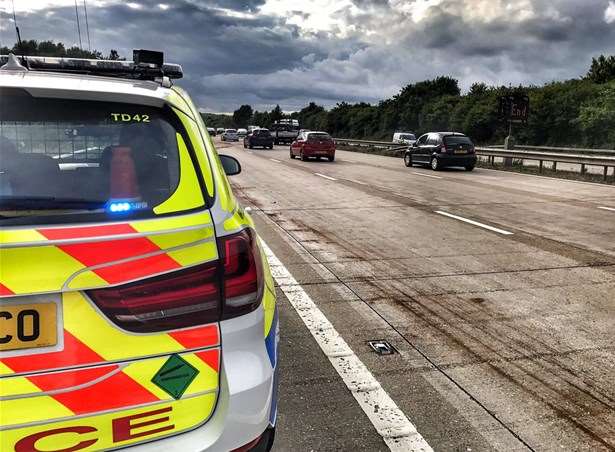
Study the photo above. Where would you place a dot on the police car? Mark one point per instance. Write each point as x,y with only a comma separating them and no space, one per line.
137,309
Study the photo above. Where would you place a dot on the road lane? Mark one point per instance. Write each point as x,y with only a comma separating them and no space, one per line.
505,341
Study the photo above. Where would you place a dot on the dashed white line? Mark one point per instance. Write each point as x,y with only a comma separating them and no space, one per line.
275,160
607,208
250,152
358,182
426,175
390,422
475,223
326,177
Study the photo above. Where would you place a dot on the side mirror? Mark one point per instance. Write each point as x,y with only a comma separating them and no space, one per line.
230,164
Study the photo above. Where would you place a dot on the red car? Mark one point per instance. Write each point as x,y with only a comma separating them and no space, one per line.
313,144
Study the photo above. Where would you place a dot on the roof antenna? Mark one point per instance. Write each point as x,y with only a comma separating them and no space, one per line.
87,25
78,25
16,27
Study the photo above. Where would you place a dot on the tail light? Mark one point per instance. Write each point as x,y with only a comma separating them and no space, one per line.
227,288
242,274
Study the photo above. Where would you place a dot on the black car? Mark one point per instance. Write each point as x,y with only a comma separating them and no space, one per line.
442,149
258,138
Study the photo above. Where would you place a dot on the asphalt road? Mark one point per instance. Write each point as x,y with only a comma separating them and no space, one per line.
504,327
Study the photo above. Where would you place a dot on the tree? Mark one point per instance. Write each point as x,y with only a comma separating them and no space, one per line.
243,116
602,69
598,116
276,114
51,49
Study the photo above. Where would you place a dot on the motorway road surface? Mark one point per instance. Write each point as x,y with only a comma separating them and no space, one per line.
504,326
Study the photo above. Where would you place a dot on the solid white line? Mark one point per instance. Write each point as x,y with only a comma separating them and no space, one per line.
607,208
475,223
326,177
275,160
390,422
426,175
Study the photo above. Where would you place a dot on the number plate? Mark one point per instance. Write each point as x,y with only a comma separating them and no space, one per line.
461,151
28,326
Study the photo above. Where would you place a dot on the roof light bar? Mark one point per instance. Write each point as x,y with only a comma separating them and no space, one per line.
148,66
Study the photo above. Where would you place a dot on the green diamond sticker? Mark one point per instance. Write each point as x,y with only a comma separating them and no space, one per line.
175,376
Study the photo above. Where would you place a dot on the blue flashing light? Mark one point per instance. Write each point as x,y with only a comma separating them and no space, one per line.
125,206
120,207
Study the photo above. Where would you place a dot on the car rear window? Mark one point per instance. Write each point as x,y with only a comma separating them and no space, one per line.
407,136
318,137
454,140
231,131
62,157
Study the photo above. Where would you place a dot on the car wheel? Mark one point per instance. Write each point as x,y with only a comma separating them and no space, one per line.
470,168
408,160
303,157
292,156
250,146
435,164
331,158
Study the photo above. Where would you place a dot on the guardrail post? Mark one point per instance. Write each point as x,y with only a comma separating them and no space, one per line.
606,172
554,166
583,168
540,166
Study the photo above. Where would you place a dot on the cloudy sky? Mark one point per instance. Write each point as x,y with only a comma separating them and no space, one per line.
291,52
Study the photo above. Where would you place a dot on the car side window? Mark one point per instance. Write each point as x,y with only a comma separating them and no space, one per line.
422,140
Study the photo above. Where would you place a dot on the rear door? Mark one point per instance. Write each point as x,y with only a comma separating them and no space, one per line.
109,297
320,142
458,145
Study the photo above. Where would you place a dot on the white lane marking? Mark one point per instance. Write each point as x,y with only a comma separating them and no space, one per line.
275,160
250,152
326,177
426,175
390,422
475,223
607,208
357,182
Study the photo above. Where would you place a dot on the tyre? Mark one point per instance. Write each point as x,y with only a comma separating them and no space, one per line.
332,158
250,146
408,160
303,157
435,164
470,168
292,156
244,145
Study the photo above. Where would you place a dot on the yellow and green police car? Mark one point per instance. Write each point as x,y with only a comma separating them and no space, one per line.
137,309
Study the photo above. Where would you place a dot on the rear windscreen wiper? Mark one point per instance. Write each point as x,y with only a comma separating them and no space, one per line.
49,203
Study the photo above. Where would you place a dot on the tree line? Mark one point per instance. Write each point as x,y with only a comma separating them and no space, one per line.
577,112
33,47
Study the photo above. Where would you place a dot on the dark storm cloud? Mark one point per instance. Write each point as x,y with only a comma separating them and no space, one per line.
234,54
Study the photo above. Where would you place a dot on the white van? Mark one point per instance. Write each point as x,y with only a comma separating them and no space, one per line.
404,137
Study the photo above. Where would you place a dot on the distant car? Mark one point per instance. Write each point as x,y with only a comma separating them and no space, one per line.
241,133
313,144
404,138
442,149
259,138
252,128
230,135
211,131
219,130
